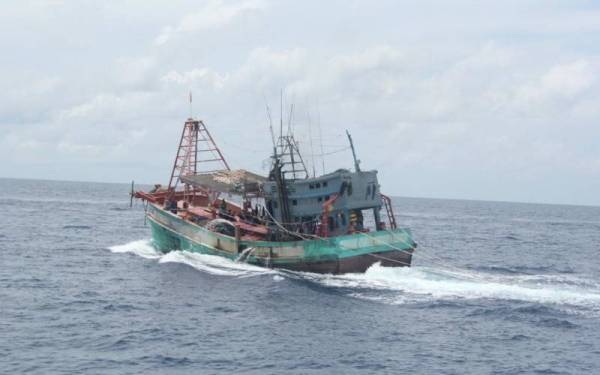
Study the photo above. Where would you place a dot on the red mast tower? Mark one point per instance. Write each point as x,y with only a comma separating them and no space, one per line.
197,154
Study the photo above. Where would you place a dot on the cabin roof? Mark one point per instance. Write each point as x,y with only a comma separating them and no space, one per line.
236,181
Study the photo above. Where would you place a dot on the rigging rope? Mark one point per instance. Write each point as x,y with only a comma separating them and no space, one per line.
331,152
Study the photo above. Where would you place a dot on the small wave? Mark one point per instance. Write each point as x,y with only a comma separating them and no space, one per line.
557,323
524,270
141,248
166,360
120,208
76,227
120,307
223,309
65,201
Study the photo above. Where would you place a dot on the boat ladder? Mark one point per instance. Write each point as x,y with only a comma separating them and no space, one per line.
387,202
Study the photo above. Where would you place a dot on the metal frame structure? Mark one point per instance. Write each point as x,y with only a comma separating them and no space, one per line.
290,158
196,147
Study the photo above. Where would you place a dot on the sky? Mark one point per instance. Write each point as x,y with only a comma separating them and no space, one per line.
491,100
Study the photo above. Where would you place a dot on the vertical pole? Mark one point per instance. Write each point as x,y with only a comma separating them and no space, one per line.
177,157
356,161
321,137
312,150
377,219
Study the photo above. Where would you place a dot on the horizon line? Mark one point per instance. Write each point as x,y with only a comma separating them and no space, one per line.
393,195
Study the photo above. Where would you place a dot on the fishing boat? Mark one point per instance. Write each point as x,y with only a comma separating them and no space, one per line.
337,222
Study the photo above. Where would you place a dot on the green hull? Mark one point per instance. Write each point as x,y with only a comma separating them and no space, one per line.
342,254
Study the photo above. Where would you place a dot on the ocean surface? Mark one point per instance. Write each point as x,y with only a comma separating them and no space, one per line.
496,288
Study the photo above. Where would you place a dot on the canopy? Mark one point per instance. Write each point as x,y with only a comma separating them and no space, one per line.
238,181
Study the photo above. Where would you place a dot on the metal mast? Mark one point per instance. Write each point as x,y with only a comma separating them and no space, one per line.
356,161
197,149
288,154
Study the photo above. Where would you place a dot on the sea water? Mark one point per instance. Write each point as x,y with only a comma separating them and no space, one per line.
495,288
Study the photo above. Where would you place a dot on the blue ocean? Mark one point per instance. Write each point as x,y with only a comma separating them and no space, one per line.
495,288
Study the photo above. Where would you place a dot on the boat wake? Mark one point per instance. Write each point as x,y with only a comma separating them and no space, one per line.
405,285
422,284
214,265
141,248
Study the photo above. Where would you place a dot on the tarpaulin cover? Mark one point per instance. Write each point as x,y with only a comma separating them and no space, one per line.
237,181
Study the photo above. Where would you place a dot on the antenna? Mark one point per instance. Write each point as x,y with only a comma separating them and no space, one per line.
312,150
271,129
356,161
320,136
281,113
190,104
290,119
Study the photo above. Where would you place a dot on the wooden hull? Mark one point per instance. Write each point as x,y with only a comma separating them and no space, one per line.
353,253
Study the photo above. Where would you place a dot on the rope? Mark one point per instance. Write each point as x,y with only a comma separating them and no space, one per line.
331,152
290,232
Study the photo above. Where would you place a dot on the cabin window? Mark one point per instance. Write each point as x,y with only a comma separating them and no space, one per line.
318,185
368,192
343,219
294,202
311,186
373,192
319,199
324,183
326,198
349,189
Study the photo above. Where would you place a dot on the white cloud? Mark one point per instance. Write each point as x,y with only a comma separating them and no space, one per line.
195,77
215,14
560,81
423,103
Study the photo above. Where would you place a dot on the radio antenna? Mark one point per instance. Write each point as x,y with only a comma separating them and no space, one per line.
281,113
320,137
312,150
271,128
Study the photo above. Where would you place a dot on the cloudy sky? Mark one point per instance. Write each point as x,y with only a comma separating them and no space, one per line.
495,100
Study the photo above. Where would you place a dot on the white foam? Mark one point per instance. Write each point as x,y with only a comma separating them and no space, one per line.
142,248
418,283
213,264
